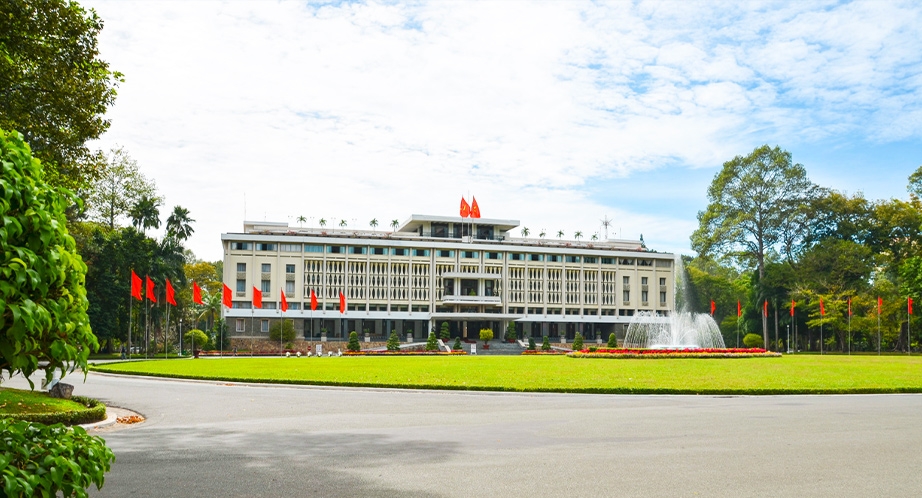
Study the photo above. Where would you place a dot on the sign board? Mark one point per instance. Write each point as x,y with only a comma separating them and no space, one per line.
473,349
319,349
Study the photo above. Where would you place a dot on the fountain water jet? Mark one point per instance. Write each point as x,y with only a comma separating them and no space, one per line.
681,330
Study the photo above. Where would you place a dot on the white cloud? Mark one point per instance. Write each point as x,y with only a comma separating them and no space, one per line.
355,110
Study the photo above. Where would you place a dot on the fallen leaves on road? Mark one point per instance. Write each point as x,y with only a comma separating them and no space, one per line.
131,419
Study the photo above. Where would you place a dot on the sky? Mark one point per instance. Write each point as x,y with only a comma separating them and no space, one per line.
557,114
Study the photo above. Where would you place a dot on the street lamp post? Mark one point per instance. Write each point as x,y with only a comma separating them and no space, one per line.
789,338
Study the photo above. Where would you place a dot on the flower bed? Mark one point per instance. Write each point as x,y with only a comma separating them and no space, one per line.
403,353
536,352
675,353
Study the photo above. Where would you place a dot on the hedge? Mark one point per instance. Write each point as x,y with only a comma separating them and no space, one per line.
95,411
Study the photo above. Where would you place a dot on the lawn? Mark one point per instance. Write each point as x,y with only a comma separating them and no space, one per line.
24,403
789,374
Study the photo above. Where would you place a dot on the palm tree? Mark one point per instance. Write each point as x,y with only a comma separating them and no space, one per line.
395,224
211,308
578,235
146,213
560,234
525,231
343,223
543,233
301,219
178,224
373,223
595,236
322,222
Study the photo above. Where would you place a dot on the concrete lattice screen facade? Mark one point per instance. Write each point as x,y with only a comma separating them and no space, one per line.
431,270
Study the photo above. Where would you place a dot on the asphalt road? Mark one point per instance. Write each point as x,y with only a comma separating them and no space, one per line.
226,439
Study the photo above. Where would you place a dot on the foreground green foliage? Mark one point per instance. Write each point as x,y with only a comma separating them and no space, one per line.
39,407
552,373
43,305
43,460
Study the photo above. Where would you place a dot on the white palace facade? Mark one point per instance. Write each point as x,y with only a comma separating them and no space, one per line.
470,273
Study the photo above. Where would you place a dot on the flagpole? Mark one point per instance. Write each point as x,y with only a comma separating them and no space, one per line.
849,329
878,330
146,328
130,312
166,331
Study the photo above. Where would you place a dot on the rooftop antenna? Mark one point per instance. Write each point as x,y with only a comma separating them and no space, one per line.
605,224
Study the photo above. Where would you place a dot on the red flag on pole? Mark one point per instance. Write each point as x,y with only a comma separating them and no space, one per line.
170,293
849,306
257,298
739,309
196,293
765,308
793,305
880,304
313,300
150,289
342,302
284,302
226,298
713,307
465,208
135,286
822,308
475,209
909,304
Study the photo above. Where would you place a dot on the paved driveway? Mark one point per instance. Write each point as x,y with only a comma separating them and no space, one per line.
229,439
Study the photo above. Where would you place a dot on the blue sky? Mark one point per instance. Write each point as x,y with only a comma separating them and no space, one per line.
554,113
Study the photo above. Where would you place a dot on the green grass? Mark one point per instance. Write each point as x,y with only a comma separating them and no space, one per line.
790,374
24,403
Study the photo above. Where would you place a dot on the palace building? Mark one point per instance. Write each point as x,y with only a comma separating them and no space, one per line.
470,273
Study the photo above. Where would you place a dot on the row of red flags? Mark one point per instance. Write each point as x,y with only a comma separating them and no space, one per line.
880,304
472,210
226,295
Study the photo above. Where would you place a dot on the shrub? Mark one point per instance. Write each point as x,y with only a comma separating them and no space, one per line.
445,333
486,335
531,343
752,340
288,331
43,460
457,345
593,349
612,340
432,344
353,344
200,338
393,342
510,331
546,345
578,342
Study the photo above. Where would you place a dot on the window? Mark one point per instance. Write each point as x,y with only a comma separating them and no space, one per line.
440,230
444,253
290,247
240,246
663,263
608,261
627,281
643,296
643,280
312,248
553,258
265,285
627,295
294,306
536,257
399,251
572,259
462,230
662,281
662,297
266,267
378,251
624,261
358,250
335,249
492,255
421,252
241,285
264,325
241,267
485,232
515,256
644,262
289,288
240,325
289,269
269,305
470,254
590,260
265,247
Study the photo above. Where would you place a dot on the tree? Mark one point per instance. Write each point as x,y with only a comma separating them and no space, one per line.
751,203
486,335
457,345
178,224
432,344
395,224
145,213
301,219
915,183
578,342
322,222
54,88
393,342
511,333
445,332
353,344
195,338
531,343
373,223
120,186
343,223
546,344
612,340
752,340
525,231
578,235
43,302
560,234
287,331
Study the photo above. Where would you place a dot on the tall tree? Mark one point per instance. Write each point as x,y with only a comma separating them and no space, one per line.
120,186
54,89
179,224
146,213
751,202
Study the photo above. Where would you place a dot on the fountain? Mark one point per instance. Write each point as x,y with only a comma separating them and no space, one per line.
681,330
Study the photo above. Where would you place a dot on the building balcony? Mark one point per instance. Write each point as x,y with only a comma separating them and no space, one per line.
484,300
